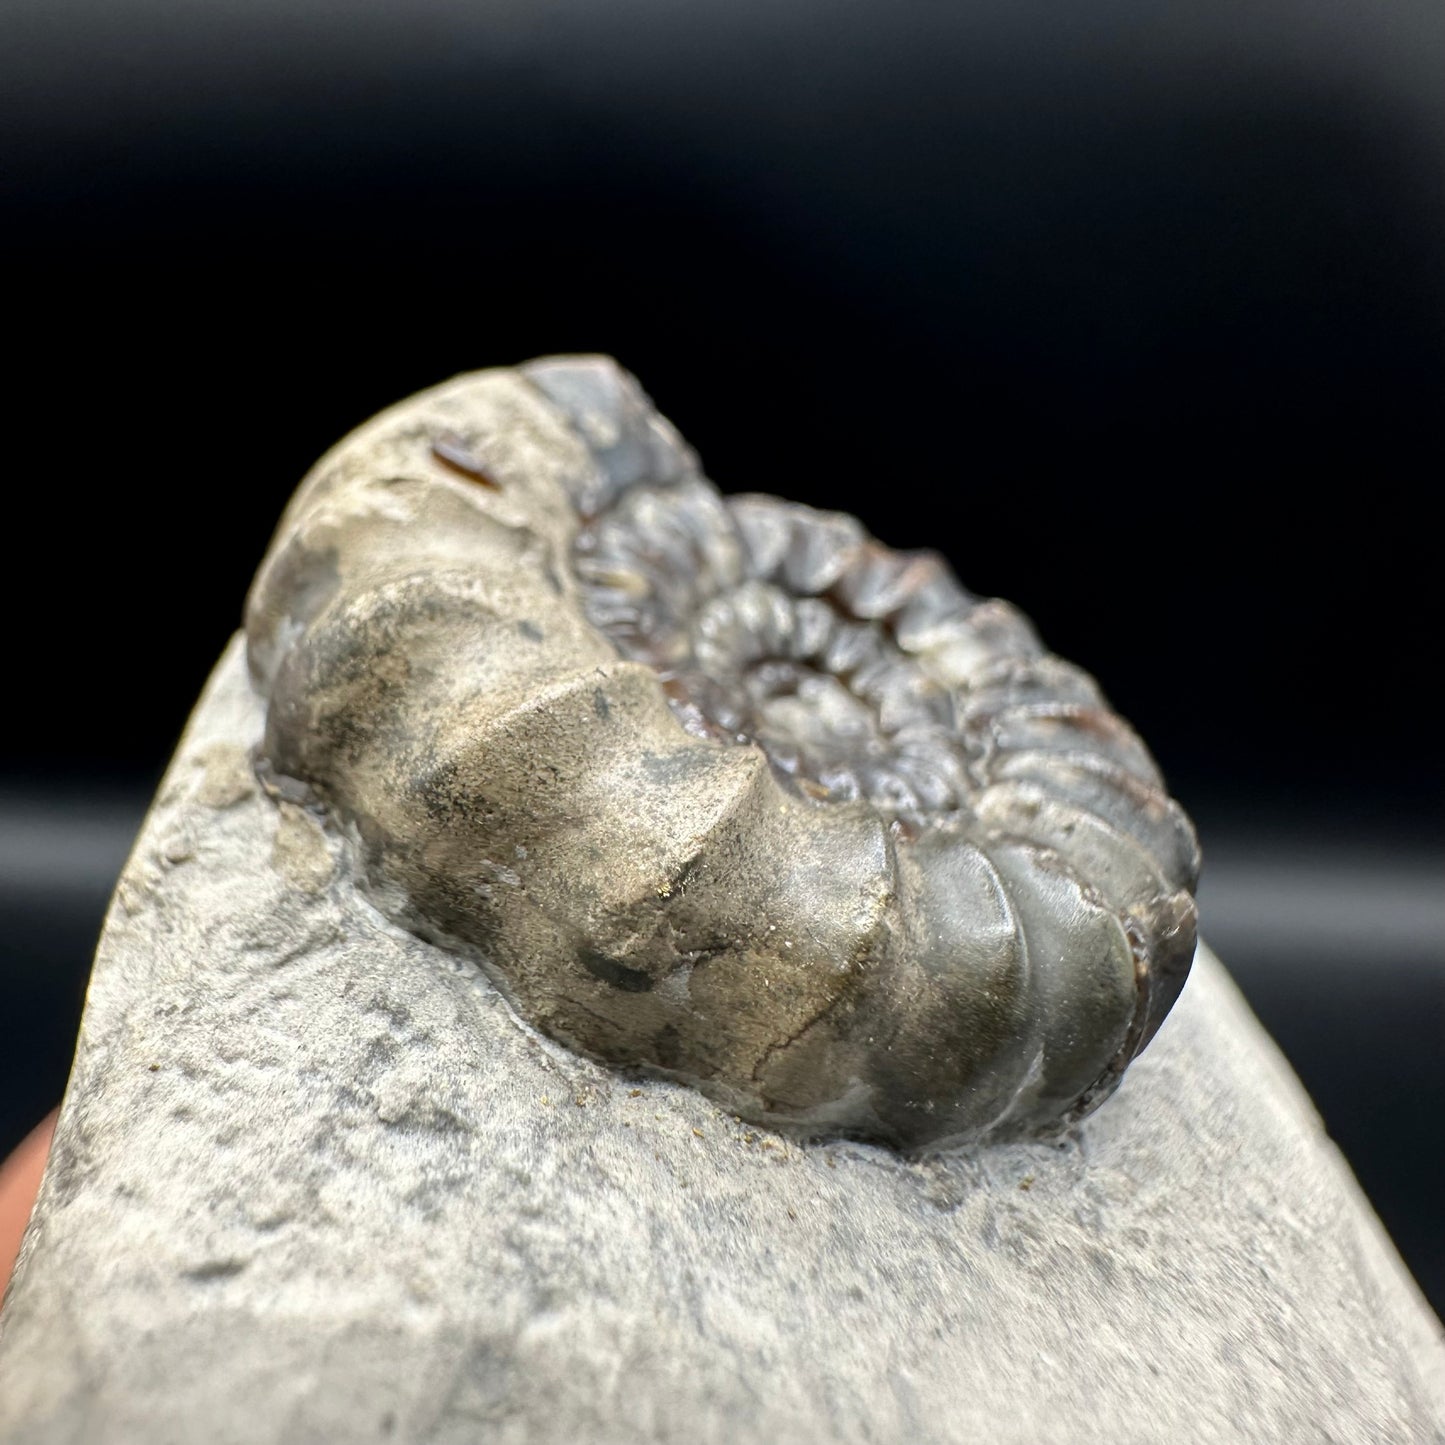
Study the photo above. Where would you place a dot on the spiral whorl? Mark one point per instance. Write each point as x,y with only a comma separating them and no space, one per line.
717,787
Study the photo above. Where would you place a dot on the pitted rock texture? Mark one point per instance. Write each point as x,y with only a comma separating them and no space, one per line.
720,788
313,1181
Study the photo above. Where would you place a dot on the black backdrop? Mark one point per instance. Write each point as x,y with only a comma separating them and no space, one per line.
1136,310
1138,314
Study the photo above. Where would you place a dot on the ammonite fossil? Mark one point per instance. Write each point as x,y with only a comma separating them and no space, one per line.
713,786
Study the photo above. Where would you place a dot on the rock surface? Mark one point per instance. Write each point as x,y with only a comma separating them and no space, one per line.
313,1182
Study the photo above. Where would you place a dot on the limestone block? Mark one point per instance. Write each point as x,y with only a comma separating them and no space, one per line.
314,1181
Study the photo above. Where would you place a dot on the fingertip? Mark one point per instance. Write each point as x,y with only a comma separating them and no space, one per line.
20,1177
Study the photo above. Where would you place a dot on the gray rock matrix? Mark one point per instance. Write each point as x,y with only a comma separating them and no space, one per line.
313,1181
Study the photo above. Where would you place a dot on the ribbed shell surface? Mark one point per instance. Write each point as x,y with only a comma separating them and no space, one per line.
716,786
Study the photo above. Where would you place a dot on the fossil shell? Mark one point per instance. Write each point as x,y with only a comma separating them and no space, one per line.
716,786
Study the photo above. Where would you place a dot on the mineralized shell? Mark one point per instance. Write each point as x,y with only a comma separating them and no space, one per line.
713,786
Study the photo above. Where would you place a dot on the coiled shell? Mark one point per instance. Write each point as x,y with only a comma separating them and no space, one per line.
718,787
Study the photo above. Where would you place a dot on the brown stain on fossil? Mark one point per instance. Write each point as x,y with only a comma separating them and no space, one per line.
720,787
454,454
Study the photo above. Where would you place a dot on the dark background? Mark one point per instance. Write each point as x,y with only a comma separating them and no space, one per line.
1134,308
